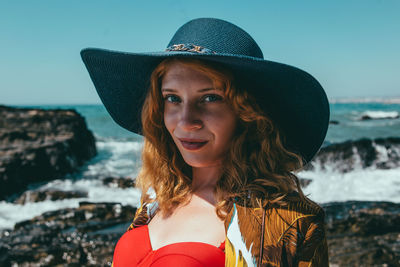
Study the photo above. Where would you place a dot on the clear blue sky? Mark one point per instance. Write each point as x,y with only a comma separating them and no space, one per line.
351,47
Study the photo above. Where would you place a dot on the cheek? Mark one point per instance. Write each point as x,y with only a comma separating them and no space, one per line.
216,115
230,127
224,124
169,119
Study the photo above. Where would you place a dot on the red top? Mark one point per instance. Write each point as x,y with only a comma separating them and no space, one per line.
134,249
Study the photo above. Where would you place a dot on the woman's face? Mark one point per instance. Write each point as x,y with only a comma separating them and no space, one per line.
197,116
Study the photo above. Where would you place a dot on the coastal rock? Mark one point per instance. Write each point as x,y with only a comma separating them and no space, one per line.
38,145
42,195
83,236
363,233
379,115
121,182
380,153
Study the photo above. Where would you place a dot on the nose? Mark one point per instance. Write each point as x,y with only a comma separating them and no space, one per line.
190,118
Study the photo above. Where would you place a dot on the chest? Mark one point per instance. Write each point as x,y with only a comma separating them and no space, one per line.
194,222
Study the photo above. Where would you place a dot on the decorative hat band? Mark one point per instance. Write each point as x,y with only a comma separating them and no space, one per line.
189,48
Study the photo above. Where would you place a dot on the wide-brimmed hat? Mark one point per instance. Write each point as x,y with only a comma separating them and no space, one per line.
293,99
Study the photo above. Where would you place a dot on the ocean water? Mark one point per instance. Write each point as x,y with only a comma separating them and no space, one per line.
119,156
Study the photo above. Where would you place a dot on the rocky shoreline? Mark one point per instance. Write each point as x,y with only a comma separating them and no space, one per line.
379,153
41,145
363,233
359,233
83,236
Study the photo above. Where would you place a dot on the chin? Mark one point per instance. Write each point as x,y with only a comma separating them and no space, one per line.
197,163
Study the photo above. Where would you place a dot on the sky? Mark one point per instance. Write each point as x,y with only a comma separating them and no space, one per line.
351,47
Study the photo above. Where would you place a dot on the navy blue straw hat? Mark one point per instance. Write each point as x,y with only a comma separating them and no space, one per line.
294,100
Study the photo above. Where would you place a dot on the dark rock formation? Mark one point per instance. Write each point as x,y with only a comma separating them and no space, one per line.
42,195
380,153
39,145
84,236
120,182
388,116
362,233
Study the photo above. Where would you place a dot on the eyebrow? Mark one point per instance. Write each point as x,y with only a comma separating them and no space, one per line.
200,91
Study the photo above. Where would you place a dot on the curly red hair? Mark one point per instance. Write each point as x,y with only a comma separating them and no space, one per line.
257,163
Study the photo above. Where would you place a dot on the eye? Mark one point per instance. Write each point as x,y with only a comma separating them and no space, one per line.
212,98
172,98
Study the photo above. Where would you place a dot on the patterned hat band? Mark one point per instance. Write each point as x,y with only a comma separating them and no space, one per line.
189,48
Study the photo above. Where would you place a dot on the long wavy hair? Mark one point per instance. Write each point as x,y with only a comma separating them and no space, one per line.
257,169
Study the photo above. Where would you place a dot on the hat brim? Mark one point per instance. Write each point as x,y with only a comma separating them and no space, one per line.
293,99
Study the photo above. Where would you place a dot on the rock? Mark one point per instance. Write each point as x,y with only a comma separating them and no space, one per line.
84,236
379,115
40,145
120,182
363,233
37,196
380,153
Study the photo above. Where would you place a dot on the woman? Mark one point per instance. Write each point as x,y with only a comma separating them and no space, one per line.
224,131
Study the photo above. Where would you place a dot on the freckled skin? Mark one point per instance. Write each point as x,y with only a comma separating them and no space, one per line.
190,113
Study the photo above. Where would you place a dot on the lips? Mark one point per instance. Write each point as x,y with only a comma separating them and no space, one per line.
192,144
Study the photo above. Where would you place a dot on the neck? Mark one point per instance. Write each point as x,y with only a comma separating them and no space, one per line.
205,180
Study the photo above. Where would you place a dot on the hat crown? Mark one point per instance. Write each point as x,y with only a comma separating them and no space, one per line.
217,35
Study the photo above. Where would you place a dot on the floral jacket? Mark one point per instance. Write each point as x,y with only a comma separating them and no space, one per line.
290,236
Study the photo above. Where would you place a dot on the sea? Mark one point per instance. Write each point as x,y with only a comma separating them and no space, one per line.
119,154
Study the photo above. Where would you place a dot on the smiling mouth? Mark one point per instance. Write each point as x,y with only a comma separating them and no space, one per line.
192,145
